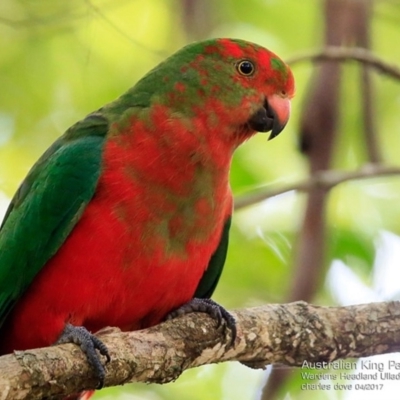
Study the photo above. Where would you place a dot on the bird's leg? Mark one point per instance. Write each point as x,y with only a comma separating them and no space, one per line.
88,343
210,307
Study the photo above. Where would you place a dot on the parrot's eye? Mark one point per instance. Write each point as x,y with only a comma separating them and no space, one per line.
245,68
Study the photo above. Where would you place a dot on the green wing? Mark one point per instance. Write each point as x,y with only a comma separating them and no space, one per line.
211,276
47,206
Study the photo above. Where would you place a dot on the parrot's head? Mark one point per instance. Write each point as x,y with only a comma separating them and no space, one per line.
227,85
256,85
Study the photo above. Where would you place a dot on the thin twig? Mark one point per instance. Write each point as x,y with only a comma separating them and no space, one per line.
122,33
323,179
337,53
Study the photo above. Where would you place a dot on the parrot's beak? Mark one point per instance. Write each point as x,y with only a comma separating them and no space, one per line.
278,108
273,116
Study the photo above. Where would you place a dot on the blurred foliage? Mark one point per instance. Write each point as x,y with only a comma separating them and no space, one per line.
62,60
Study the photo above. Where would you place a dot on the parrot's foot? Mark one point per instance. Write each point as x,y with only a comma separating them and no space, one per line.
210,307
88,343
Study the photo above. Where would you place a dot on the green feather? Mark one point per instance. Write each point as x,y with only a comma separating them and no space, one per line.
211,276
47,206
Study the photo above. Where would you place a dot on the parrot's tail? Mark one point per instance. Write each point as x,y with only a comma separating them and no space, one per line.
86,395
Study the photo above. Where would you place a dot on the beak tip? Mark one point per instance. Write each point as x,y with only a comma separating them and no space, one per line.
276,130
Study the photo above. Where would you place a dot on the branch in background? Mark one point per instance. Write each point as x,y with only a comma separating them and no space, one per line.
198,18
343,54
287,334
317,133
322,179
362,39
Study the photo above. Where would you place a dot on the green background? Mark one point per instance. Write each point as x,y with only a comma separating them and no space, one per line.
61,60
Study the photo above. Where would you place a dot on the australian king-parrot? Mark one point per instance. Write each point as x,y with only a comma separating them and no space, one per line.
125,218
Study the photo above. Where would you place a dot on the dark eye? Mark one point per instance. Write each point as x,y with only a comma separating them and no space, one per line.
245,68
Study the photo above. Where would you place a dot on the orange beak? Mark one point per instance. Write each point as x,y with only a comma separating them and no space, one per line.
278,109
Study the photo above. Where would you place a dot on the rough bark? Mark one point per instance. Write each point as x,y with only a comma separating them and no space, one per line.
288,334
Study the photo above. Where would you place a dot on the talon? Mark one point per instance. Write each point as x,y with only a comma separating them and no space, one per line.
88,343
213,309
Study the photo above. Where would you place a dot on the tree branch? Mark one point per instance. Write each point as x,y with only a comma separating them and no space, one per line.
337,53
288,334
322,179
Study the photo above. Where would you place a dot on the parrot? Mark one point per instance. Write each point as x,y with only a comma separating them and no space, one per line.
124,221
